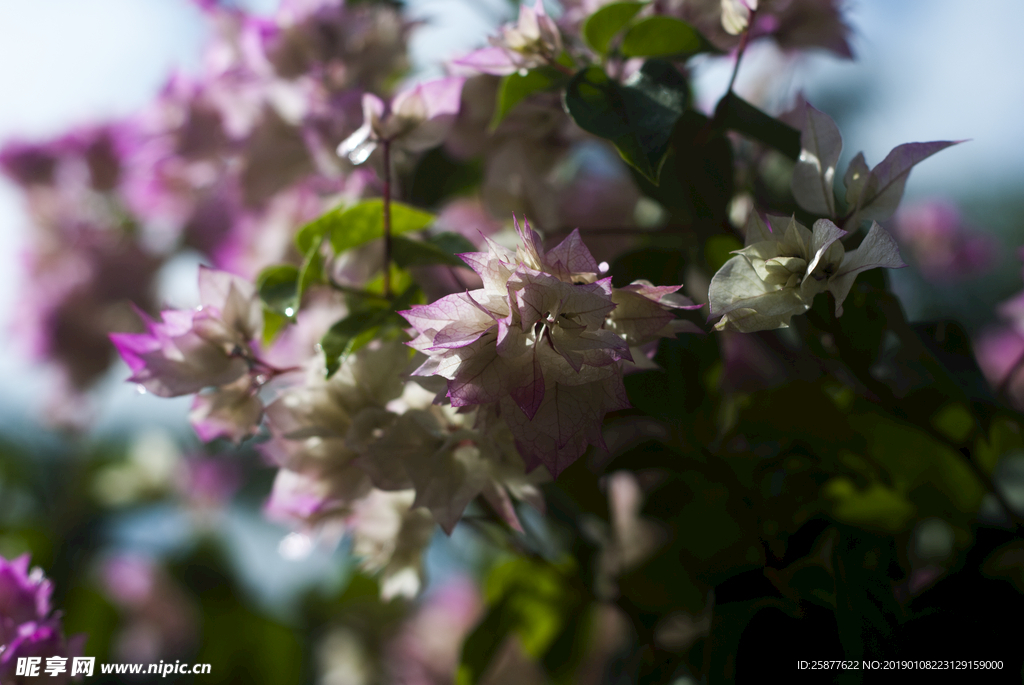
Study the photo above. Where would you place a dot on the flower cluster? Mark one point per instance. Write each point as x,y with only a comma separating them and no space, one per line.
533,41
540,343
214,346
228,161
28,625
943,245
417,119
368,453
790,24
780,271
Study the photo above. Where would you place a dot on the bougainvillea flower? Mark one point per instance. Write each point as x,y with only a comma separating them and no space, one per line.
449,456
541,342
871,194
232,411
27,626
531,42
792,24
780,271
942,243
736,15
418,119
191,350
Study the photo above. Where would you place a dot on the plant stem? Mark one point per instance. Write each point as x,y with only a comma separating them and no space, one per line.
349,290
744,39
562,68
386,148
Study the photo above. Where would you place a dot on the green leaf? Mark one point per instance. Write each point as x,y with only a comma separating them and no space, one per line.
954,420
362,326
1004,436
453,243
273,322
91,613
312,271
529,599
278,288
738,115
341,338
698,179
601,26
715,529
718,250
661,36
313,232
934,477
438,177
638,116
440,249
364,222
876,507
517,87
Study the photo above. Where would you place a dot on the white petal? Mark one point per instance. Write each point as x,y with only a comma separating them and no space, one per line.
877,249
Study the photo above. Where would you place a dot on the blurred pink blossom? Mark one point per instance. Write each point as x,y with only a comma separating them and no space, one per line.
944,246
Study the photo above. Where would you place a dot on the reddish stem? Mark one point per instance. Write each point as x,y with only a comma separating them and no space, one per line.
386,149
744,39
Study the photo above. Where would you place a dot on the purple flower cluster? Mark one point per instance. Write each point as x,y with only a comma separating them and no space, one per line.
229,162
944,246
28,625
540,343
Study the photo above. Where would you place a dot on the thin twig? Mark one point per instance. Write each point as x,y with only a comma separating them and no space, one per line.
744,39
386,149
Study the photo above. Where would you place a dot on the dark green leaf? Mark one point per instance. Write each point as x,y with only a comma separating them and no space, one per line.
955,421
738,115
867,613
278,288
637,116
438,177
661,36
1004,436
364,222
718,250
517,87
569,648
361,326
440,249
89,612
601,26
698,179
713,528
453,243
934,477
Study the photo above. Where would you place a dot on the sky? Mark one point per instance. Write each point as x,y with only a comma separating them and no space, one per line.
941,70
